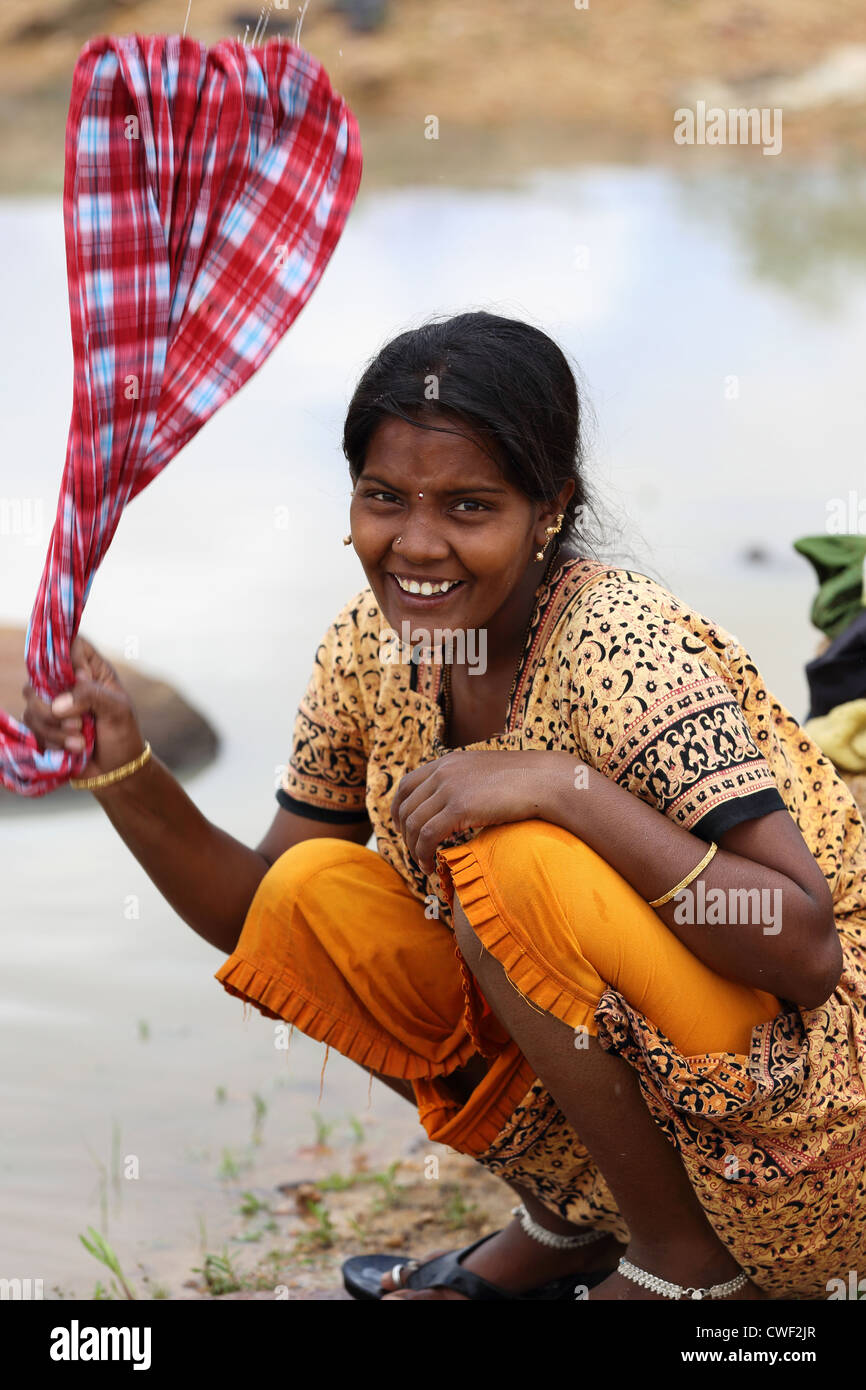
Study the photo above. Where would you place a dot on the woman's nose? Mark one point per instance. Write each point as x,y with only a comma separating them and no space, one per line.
418,541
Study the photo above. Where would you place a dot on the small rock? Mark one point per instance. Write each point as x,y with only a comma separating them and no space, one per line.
179,735
306,1197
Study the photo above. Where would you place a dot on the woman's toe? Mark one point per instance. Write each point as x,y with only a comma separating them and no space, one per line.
391,1285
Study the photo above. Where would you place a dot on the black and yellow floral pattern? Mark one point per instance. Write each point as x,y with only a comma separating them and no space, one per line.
667,703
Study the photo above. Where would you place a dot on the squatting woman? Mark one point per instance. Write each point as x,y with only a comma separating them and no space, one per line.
611,940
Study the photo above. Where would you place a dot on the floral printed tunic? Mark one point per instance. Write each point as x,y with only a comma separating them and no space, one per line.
667,703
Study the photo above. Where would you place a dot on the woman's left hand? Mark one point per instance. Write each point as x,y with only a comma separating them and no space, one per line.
468,790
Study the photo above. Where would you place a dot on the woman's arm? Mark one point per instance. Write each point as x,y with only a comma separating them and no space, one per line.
205,874
793,951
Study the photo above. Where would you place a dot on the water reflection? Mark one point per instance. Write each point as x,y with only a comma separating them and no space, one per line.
801,229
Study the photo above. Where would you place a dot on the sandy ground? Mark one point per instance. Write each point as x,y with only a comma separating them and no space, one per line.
399,1211
512,83
289,1240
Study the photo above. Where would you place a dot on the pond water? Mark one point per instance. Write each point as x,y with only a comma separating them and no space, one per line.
719,322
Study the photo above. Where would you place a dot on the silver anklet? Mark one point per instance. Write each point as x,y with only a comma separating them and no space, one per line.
667,1290
556,1242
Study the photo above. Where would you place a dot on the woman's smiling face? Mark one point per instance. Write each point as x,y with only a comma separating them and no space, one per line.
471,526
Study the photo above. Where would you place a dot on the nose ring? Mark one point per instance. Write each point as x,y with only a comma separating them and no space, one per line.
399,538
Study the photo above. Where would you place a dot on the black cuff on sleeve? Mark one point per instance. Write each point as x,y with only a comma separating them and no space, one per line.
714,824
323,813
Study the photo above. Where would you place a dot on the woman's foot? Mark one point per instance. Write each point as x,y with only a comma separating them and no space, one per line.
516,1262
689,1267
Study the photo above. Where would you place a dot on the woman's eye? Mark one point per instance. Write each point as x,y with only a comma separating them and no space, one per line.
392,497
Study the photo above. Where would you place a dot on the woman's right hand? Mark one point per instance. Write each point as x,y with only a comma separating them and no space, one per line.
98,691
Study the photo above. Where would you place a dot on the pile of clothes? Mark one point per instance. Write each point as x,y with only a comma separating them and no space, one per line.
837,675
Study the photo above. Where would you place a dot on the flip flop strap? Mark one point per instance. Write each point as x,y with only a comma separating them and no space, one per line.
446,1272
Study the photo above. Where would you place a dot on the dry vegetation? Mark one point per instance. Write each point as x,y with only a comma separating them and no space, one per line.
514,81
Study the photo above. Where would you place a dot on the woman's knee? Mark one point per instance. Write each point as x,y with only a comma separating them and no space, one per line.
530,840
306,865
535,862
551,888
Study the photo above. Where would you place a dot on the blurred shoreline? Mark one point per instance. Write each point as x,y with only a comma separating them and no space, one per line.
514,86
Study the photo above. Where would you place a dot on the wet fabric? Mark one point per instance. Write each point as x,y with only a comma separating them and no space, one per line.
204,193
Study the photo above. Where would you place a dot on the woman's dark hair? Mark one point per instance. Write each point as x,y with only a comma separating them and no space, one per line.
506,381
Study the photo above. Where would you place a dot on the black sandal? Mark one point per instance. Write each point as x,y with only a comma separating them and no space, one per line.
362,1277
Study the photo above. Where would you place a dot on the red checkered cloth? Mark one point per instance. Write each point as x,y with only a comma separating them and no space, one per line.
204,193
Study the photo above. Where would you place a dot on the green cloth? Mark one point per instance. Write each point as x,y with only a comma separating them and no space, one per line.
838,562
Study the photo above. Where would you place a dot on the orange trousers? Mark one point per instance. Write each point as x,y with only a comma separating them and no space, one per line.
336,943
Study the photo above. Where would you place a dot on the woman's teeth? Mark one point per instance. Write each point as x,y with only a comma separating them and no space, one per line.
412,586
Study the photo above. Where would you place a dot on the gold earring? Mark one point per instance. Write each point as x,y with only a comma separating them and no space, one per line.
347,540
550,531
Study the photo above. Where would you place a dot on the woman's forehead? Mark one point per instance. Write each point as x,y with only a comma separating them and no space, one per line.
452,452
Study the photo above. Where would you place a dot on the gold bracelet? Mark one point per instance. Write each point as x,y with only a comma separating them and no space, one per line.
660,902
105,779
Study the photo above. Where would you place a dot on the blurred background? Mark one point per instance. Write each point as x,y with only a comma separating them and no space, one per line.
712,298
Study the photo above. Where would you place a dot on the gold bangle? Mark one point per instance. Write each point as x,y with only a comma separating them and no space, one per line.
105,779
660,902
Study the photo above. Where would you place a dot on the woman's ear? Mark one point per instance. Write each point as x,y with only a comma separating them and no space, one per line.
566,495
